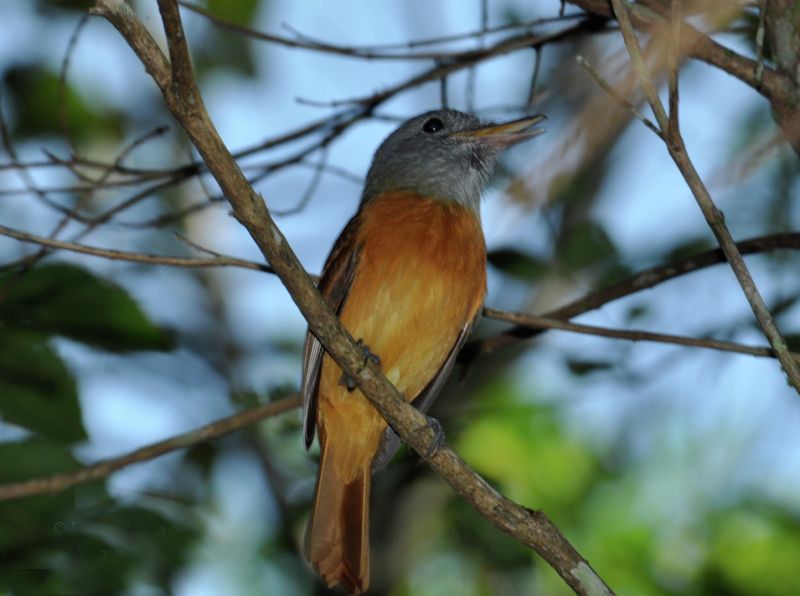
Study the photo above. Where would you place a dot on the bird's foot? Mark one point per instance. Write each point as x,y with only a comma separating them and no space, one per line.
438,436
349,381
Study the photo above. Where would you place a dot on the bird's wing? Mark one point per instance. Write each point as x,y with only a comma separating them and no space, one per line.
391,440
337,277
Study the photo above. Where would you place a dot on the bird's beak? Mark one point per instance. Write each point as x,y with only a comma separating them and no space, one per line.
506,134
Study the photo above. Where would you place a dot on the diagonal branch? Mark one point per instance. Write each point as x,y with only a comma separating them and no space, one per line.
104,468
184,101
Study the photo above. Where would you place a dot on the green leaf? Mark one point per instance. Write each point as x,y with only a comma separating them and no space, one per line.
29,521
757,553
224,50
557,469
80,541
240,11
51,7
793,341
39,100
37,391
517,263
587,245
69,301
689,248
585,367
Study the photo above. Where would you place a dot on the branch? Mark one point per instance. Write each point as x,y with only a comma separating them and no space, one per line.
776,87
134,257
545,323
701,47
105,467
365,53
183,99
643,280
529,322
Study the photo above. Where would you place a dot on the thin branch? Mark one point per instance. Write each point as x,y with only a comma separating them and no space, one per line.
760,32
529,527
613,93
773,85
466,59
105,467
319,170
134,257
639,65
545,323
643,280
364,53
62,80
673,64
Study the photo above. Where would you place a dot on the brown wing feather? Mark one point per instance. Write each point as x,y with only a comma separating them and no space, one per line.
337,277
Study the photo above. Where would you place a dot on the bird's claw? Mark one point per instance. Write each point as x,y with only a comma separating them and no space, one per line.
349,381
438,436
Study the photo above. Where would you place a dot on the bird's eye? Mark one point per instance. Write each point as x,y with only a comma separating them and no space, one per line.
432,125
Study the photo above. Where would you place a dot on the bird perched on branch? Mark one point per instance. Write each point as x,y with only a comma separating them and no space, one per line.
407,277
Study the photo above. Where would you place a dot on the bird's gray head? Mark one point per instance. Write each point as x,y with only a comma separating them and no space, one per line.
444,154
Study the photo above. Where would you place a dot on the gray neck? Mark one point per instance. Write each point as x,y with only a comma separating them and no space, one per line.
442,175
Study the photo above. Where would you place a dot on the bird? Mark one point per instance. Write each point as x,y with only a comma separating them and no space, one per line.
407,278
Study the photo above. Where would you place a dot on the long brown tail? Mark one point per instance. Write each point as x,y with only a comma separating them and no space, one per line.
337,536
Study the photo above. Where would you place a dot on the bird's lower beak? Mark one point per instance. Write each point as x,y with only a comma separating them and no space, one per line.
505,134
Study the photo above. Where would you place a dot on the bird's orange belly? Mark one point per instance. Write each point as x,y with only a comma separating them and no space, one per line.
420,280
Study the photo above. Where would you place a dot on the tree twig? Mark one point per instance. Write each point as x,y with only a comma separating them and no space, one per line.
135,257
643,280
105,467
544,323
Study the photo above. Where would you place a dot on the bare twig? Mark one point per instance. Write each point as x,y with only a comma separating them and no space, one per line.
643,280
673,64
777,86
134,257
613,93
62,80
104,468
304,42
544,323
772,85
639,65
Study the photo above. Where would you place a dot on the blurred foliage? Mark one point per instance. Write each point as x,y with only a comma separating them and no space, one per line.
37,391
224,50
79,541
69,301
43,106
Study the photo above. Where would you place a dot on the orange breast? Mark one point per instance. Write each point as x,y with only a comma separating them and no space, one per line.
421,279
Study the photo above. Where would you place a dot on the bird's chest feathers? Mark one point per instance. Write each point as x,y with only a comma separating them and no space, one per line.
415,248
420,280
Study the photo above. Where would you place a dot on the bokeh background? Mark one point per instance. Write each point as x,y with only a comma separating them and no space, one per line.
673,470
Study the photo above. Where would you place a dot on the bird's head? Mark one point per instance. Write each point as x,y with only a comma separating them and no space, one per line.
444,154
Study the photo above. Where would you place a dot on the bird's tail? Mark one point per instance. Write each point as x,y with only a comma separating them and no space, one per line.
337,536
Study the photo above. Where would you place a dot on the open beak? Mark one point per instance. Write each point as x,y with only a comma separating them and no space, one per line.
506,134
